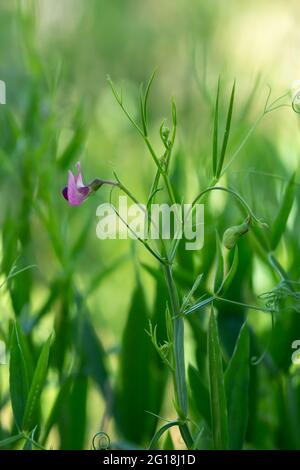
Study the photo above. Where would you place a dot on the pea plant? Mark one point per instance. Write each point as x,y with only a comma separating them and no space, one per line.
223,403
197,336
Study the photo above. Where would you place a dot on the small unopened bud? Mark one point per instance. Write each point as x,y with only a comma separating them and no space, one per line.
232,234
164,134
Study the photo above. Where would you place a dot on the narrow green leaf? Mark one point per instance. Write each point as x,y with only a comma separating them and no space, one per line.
280,222
11,440
231,273
144,105
36,387
190,294
28,444
72,419
19,375
199,394
219,418
226,133
199,305
174,113
236,386
215,134
142,111
134,388
154,442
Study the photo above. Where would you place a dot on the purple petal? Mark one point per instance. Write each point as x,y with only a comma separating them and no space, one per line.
65,192
84,190
76,195
78,177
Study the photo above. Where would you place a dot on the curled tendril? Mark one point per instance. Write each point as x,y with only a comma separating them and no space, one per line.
101,441
296,102
284,291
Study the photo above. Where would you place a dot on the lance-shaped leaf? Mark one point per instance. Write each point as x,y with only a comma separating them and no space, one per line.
134,398
218,406
9,441
280,222
199,394
154,442
236,386
226,133
215,134
231,273
19,374
36,387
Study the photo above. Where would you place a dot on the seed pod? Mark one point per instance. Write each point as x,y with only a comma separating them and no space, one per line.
232,234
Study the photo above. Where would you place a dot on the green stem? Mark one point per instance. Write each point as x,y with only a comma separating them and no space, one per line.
161,170
135,200
178,351
230,191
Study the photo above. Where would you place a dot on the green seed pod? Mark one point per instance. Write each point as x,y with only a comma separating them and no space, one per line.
232,234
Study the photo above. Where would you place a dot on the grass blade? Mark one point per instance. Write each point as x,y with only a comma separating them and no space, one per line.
11,440
199,305
154,442
19,376
227,132
216,130
135,384
218,406
236,386
280,222
231,273
36,387
199,394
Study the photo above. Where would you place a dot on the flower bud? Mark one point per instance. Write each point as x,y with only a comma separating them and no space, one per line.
232,234
164,134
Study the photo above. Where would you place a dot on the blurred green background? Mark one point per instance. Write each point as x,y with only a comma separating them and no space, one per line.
54,58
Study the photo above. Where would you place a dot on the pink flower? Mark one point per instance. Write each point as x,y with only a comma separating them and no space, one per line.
76,191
